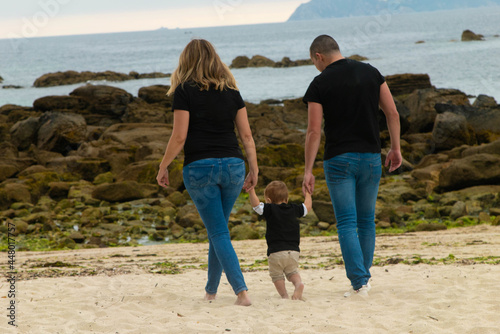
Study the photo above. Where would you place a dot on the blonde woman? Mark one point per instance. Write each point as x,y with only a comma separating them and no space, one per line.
207,105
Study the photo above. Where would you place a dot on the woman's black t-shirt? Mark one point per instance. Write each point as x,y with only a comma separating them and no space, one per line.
211,121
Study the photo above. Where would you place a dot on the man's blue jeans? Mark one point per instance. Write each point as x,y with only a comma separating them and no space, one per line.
214,185
353,180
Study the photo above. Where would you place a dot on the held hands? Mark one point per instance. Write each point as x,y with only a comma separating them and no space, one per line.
395,159
250,181
162,177
308,183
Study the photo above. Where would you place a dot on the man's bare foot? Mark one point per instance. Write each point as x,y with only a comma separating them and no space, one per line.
209,296
297,294
285,296
243,299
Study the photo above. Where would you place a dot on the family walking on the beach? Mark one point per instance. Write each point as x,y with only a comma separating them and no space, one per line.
347,95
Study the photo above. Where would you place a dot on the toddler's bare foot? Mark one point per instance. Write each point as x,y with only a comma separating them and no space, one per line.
209,296
297,294
243,299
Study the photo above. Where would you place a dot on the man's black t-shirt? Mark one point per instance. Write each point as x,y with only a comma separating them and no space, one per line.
211,121
283,227
349,92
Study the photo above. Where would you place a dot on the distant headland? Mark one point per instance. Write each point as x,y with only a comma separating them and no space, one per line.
322,9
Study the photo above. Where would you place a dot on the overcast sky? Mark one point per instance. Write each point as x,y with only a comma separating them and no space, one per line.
36,18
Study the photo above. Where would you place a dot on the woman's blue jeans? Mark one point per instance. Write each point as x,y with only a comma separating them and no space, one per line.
214,185
353,181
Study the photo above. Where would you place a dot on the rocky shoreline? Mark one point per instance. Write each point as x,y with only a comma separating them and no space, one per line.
73,77
261,61
78,171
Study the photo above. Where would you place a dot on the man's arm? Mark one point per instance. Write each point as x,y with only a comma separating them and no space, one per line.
392,116
313,140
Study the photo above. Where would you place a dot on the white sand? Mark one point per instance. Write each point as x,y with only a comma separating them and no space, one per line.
125,297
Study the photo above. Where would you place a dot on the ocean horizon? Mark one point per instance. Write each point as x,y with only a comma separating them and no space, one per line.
388,40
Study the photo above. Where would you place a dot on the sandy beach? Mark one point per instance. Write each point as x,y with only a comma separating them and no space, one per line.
427,282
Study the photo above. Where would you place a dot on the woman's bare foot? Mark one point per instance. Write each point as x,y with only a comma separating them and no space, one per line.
210,297
297,294
243,299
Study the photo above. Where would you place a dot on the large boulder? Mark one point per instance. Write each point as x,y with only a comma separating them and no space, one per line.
73,77
468,35
24,133
7,170
156,94
137,133
491,148
140,111
485,101
287,62
481,120
240,62
285,155
451,130
474,170
142,172
58,103
105,100
260,61
324,211
12,193
118,192
61,132
400,84
422,102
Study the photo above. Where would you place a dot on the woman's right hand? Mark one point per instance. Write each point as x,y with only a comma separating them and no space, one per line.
250,181
162,177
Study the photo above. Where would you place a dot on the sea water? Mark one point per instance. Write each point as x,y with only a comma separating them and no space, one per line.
388,40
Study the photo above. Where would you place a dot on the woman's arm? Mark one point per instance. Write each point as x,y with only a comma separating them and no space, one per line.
248,143
313,140
392,116
174,146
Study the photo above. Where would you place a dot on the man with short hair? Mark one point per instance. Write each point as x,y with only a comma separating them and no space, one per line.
347,95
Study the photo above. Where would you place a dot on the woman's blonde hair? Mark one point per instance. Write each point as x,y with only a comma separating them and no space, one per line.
199,62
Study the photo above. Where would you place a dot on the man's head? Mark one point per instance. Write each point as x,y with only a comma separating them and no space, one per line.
276,192
324,50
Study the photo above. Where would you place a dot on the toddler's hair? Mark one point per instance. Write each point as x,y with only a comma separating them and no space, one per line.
276,191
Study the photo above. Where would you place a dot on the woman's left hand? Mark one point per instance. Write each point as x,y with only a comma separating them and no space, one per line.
250,181
162,177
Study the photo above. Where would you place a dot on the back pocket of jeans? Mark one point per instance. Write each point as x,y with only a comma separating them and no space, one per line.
336,171
237,172
200,176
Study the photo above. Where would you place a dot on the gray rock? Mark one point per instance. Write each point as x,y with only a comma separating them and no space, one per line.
324,211
61,132
118,192
105,100
474,170
485,101
422,102
24,133
451,130
468,35
458,210
323,225
57,103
